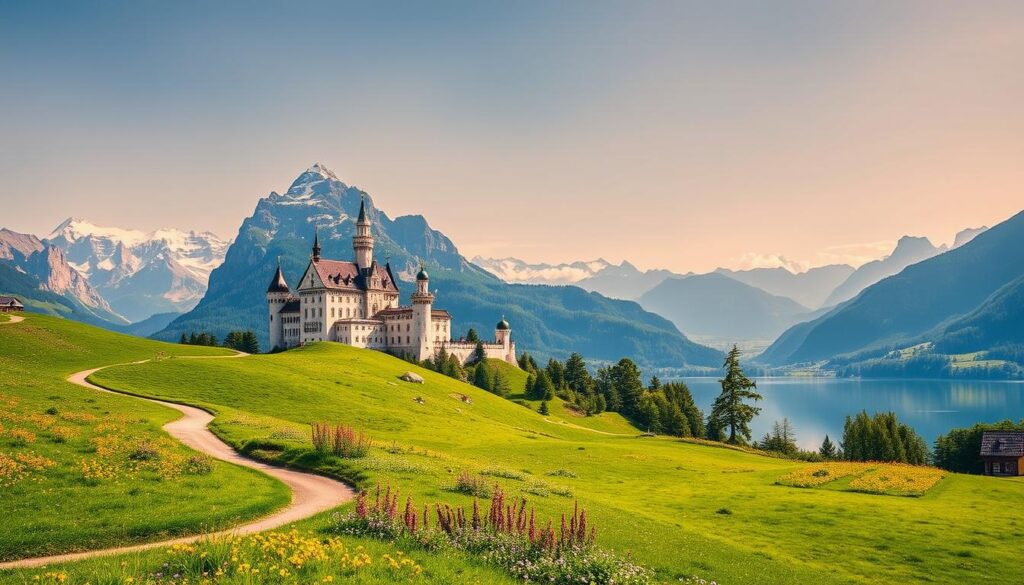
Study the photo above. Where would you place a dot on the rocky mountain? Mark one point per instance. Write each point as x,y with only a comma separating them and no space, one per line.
909,250
923,297
717,306
810,288
546,320
38,271
997,323
518,271
141,274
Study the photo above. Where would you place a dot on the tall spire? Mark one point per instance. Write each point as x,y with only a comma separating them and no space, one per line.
316,245
362,210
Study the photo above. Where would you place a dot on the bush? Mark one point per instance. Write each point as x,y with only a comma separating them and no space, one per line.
340,440
505,473
471,485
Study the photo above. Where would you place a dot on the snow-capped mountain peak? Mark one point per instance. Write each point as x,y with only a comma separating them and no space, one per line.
141,273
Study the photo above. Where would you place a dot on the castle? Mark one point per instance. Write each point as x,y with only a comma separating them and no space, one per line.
356,303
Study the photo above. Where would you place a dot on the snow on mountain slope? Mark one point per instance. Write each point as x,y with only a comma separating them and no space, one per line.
140,273
515,270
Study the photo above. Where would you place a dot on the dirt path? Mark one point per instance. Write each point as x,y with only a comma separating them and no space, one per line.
310,493
13,319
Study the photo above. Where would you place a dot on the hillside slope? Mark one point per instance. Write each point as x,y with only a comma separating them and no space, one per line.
919,298
657,499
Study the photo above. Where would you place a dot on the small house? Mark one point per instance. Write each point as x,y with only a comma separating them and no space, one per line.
1003,452
10,304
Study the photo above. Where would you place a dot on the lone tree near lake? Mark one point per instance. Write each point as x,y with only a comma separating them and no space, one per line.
730,410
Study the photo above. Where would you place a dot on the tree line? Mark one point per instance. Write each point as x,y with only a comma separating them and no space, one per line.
238,340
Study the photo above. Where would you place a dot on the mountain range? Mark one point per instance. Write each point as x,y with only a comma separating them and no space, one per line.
718,306
546,320
39,273
141,274
940,300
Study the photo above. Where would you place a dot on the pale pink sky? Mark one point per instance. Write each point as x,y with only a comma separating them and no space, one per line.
672,135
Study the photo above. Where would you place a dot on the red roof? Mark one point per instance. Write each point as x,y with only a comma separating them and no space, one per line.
340,275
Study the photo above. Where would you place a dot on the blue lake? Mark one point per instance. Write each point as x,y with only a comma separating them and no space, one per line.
817,406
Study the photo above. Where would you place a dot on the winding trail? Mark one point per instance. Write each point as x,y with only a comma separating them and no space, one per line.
12,319
311,493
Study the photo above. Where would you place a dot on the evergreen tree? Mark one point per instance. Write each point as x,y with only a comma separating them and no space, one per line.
625,378
828,449
479,355
193,339
647,414
577,378
556,371
471,336
544,410
440,360
500,385
231,340
678,393
655,383
542,388
184,340
712,431
730,411
531,381
676,423
482,377
250,344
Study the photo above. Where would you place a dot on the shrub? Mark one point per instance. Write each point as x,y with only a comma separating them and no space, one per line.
51,411
563,473
340,440
144,450
199,465
505,473
471,485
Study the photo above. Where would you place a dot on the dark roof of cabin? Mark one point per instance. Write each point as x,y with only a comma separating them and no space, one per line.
1002,443
9,301
278,283
290,307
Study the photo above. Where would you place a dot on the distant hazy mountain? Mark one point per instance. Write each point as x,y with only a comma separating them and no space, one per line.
909,250
809,288
141,274
38,271
966,235
919,299
546,320
518,271
626,281
716,305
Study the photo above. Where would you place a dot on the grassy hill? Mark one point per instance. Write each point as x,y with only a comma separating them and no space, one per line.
678,507
74,485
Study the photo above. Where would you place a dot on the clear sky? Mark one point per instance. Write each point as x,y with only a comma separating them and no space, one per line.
679,135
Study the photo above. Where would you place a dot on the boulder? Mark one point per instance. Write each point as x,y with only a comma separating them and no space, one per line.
411,377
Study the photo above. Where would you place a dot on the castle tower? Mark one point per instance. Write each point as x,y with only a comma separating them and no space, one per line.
422,307
362,241
316,247
503,336
278,294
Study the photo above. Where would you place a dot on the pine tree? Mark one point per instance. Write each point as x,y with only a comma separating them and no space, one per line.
729,411
542,388
479,355
676,423
193,339
471,336
250,344
482,377
577,378
625,378
500,384
828,449
544,410
655,383
184,339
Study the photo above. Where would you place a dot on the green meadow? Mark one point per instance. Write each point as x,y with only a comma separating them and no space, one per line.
56,427
680,508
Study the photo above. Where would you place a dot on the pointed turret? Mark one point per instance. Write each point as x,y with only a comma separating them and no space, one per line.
362,241
316,245
278,284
